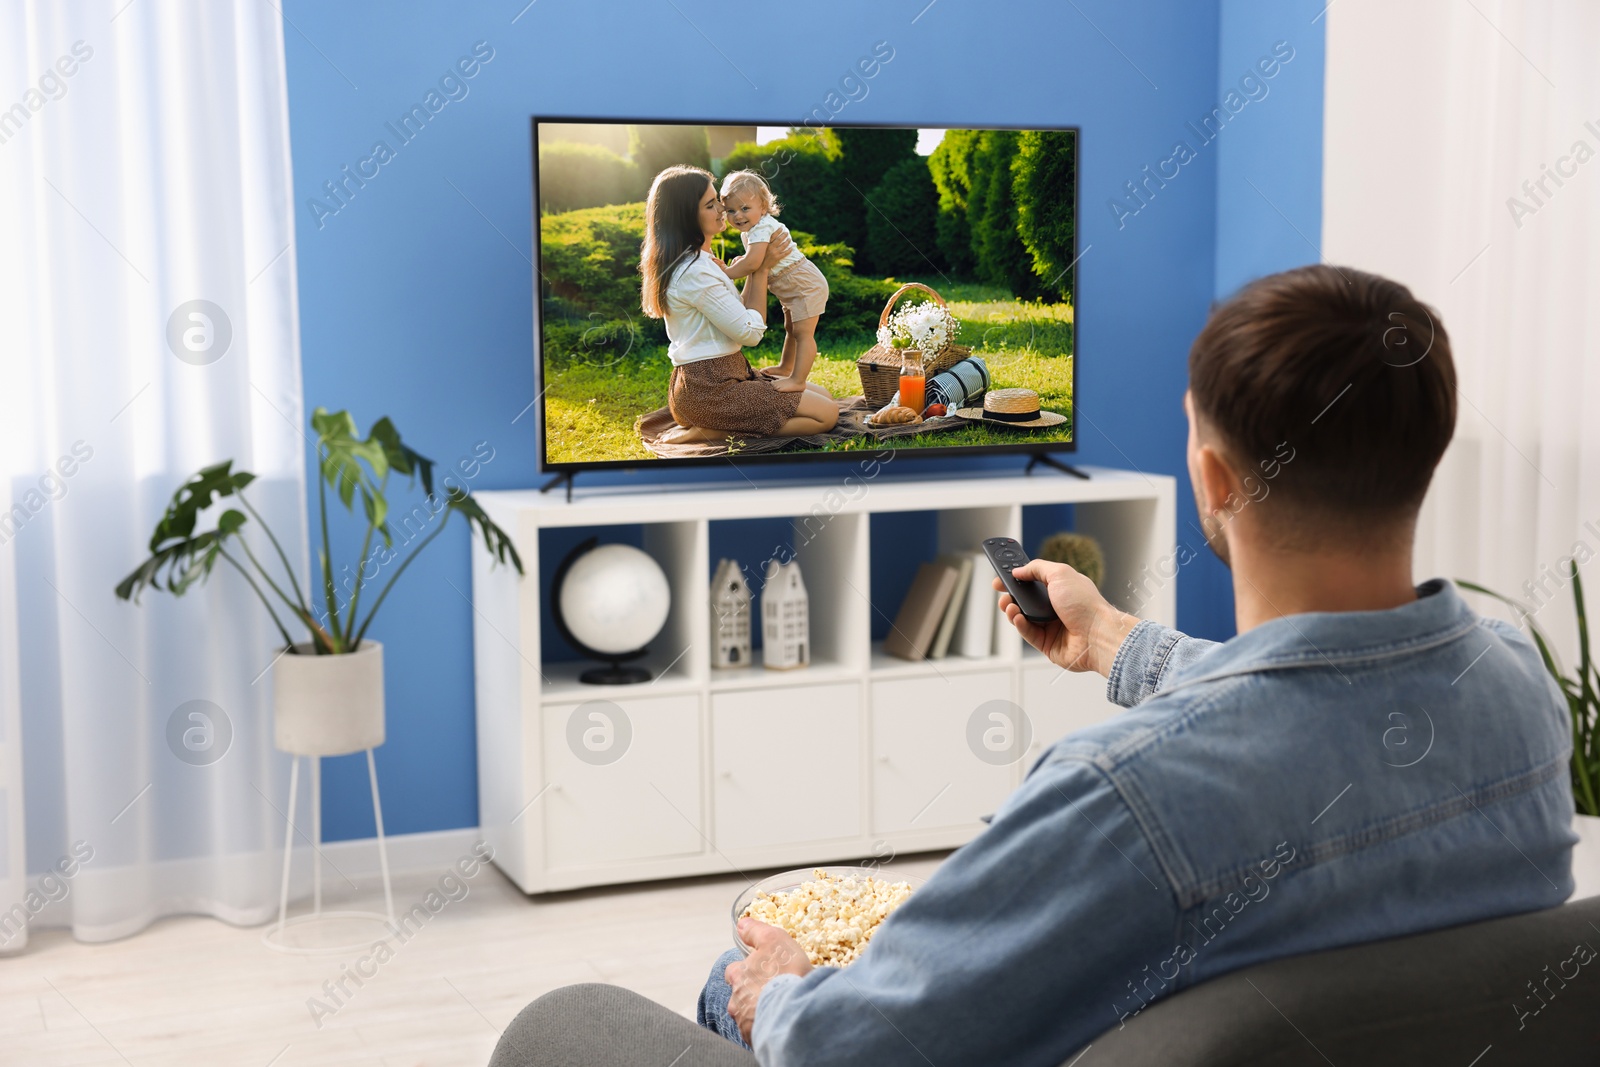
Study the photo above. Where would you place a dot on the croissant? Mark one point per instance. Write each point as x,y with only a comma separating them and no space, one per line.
895,416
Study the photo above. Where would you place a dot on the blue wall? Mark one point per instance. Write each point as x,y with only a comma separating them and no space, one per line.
415,297
1269,169
1268,206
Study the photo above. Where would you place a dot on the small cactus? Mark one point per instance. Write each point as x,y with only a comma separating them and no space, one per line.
1078,551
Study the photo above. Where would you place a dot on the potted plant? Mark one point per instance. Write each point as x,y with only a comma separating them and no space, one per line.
328,696
1582,691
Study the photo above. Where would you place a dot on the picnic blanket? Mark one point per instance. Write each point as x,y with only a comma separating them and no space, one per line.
853,412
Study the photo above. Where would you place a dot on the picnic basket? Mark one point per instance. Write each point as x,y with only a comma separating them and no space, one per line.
879,367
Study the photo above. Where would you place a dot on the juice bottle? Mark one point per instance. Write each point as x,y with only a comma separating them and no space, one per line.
912,381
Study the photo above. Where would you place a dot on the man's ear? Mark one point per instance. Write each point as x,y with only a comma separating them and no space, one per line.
1222,490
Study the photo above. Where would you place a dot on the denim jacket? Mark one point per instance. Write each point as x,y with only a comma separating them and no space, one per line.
1321,780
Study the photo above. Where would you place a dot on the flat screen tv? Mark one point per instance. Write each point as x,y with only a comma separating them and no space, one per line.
984,218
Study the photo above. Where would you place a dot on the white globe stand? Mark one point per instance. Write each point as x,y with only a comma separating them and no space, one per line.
273,936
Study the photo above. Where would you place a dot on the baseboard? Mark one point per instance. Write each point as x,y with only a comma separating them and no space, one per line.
188,886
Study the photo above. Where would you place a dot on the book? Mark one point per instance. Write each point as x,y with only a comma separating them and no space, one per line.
917,622
962,562
974,633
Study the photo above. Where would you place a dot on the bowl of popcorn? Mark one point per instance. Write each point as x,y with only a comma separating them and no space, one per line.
832,912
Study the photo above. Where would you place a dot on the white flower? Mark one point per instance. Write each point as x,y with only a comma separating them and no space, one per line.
929,327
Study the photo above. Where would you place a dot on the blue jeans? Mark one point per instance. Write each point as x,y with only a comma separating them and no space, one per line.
712,1010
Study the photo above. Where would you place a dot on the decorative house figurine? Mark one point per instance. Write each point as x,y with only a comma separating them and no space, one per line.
785,618
730,616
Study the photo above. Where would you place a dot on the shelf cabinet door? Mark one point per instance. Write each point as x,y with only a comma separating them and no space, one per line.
787,765
924,774
1059,702
643,804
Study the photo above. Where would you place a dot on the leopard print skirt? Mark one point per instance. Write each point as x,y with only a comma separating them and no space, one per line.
725,393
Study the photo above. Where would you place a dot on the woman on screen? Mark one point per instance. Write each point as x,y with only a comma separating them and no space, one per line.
713,391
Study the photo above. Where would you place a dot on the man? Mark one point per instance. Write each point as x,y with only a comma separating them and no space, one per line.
1366,759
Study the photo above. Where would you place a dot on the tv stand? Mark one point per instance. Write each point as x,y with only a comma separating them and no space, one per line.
877,746
1050,461
564,476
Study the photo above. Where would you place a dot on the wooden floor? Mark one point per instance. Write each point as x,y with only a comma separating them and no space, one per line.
198,991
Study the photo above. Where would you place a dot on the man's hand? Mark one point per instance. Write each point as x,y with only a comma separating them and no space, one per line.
1087,631
775,953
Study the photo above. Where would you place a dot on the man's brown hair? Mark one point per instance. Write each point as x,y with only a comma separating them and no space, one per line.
1345,371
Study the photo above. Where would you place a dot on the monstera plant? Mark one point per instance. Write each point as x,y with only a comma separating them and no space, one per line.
354,468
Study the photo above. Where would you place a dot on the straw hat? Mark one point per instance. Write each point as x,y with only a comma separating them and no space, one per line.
1017,408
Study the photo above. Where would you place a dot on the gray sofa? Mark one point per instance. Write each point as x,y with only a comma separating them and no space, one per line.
1462,997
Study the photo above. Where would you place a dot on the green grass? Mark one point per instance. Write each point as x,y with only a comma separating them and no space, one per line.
591,402
954,291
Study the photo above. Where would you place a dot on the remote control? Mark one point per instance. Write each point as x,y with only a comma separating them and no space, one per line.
1004,553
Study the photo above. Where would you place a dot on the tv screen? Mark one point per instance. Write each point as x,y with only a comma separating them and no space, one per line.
709,293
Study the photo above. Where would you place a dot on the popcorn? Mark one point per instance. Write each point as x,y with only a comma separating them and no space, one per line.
832,917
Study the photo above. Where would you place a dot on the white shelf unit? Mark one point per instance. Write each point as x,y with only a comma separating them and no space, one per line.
737,770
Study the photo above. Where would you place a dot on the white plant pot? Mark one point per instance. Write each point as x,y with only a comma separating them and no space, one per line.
328,705
1586,857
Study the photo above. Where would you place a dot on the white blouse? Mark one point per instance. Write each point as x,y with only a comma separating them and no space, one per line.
705,317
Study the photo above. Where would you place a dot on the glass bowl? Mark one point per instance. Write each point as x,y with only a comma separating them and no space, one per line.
782,883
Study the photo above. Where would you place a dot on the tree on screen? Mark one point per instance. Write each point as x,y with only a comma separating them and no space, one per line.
655,148
1044,183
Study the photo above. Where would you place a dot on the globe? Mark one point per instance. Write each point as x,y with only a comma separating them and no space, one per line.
615,599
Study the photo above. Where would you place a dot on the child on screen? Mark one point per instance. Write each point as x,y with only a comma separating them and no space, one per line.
794,280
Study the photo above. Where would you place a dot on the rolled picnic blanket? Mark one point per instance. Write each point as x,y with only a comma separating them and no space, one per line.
961,386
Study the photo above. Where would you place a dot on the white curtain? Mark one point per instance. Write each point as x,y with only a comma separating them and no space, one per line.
144,166
1462,157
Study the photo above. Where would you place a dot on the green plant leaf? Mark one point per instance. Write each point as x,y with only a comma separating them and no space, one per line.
1582,692
175,550
196,565
175,566
194,496
181,558
341,454
1524,614
496,540
330,425
1585,664
377,510
402,458
147,574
